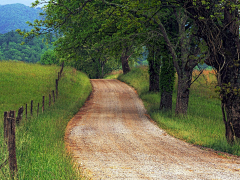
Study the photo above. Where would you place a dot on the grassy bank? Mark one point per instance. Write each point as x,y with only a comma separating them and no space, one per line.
40,141
203,126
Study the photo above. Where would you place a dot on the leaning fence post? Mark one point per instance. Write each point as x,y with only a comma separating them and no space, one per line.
19,116
56,88
26,111
43,104
49,100
6,114
61,69
12,144
31,107
53,96
38,110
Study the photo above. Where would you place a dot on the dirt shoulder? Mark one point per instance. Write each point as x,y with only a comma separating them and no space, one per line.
111,138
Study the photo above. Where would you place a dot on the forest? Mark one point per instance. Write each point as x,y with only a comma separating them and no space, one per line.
13,16
31,51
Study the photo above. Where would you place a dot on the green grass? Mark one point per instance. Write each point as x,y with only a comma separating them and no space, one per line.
202,126
113,75
41,152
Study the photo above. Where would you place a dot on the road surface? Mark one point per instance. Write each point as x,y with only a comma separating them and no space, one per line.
112,138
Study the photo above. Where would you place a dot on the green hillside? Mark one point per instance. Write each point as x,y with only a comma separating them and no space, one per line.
40,144
15,16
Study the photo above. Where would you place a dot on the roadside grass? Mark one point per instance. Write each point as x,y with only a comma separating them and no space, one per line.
41,152
113,75
202,126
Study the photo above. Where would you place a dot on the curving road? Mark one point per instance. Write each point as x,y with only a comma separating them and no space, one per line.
111,138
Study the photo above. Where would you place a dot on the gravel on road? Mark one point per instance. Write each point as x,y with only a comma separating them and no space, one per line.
112,138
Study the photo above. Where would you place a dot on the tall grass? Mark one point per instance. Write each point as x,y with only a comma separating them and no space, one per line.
202,126
41,152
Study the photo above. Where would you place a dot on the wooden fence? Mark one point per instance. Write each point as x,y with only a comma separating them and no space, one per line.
10,121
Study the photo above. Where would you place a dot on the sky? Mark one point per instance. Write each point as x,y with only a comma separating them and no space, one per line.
25,2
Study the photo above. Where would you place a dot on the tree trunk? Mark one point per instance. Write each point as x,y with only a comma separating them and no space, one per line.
230,100
124,60
167,78
223,43
183,91
154,69
166,101
125,65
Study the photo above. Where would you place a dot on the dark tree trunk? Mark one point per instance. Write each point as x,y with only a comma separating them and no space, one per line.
154,69
231,75
166,83
125,65
182,95
124,59
166,101
223,43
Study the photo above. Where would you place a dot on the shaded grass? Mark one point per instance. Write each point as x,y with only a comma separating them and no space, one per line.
113,75
41,152
202,126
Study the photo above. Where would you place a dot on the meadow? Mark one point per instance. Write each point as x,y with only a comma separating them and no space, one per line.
203,126
41,152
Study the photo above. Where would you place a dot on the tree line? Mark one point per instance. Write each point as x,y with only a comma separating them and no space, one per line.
31,52
178,35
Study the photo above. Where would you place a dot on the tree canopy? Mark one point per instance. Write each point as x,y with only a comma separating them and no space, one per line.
199,31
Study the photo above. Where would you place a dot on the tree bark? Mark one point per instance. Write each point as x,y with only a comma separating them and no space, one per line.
183,93
124,59
167,78
223,43
154,69
166,101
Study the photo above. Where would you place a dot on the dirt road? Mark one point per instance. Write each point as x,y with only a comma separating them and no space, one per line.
111,138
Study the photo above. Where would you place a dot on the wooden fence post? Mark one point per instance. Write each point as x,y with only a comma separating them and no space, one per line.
61,69
49,100
43,104
26,111
31,107
38,110
6,114
19,116
12,144
53,96
56,88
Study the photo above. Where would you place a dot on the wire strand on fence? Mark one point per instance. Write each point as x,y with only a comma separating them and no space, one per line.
9,126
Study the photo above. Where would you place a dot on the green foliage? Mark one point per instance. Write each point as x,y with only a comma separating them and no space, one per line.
31,51
202,126
167,75
15,16
41,152
86,35
48,58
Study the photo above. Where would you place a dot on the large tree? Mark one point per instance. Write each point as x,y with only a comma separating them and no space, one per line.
218,25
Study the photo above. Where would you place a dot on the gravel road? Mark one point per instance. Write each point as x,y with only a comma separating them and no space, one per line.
111,138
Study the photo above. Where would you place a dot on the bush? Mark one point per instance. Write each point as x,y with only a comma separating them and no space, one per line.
49,58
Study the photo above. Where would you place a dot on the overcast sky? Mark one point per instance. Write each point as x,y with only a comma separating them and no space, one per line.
25,2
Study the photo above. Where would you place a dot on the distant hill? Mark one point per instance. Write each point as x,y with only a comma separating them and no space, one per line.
15,16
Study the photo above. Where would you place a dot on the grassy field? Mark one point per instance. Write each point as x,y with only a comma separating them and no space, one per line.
40,144
203,126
